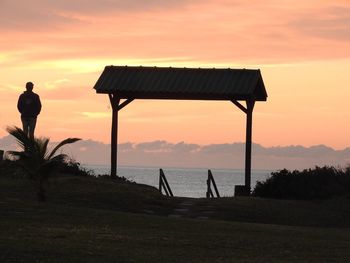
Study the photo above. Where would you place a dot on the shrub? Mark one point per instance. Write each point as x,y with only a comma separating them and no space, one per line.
317,183
11,169
72,167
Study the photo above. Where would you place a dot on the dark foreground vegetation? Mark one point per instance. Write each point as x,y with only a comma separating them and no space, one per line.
317,183
95,219
79,186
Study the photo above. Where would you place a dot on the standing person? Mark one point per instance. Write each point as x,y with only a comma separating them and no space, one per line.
29,106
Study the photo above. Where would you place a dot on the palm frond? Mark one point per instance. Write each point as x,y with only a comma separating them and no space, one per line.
64,142
60,158
25,143
16,153
35,160
42,144
52,164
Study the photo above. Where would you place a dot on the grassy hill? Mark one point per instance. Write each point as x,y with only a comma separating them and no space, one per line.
90,219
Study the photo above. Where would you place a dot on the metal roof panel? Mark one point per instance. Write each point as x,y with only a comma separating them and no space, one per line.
181,83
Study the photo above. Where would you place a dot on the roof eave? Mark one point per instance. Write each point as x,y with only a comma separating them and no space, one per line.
176,96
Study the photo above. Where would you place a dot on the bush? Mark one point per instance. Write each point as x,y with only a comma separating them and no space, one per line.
72,167
11,169
318,183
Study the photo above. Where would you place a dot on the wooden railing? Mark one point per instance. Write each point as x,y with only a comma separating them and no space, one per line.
163,184
211,181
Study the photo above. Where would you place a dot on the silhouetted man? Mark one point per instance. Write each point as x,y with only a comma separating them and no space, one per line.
29,106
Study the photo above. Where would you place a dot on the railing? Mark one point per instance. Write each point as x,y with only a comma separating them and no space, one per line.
163,184
210,181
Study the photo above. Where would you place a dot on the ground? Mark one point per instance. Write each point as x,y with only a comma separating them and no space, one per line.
98,220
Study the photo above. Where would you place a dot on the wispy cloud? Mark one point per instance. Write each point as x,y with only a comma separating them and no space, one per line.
256,31
96,115
330,23
55,84
39,15
62,90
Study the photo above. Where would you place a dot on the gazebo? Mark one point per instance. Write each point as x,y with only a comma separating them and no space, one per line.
129,83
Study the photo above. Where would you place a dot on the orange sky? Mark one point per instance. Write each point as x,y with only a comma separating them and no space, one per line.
302,48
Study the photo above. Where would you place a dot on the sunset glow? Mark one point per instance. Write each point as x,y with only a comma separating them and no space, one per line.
301,47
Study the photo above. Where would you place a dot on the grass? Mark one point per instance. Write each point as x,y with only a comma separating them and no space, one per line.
325,213
96,220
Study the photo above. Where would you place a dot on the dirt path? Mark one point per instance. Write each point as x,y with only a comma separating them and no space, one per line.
190,209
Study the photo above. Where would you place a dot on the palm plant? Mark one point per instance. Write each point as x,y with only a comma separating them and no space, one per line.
35,159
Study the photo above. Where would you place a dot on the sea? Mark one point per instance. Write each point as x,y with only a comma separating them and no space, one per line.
185,182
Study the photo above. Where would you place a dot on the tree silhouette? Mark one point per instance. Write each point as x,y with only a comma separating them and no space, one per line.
36,160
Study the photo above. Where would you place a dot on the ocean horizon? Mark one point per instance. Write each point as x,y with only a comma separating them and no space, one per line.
185,182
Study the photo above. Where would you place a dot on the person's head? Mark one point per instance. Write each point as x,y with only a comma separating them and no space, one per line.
29,86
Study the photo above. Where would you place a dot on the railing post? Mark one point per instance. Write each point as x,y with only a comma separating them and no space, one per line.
209,192
163,183
209,181
160,180
214,184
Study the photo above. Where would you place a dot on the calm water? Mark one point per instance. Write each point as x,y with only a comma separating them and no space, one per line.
186,182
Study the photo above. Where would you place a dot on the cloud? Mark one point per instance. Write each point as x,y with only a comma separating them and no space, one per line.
166,147
226,31
294,151
96,115
54,84
34,14
155,146
7,143
40,14
223,148
165,154
330,23
62,91
185,147
106,6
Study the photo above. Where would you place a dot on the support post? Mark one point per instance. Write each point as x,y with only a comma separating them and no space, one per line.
248,145
114,134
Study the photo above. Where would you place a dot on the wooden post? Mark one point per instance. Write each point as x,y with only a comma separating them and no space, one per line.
209,191
248,145
163,183
160,180
115,100
209,181
214,184
114,134
114,144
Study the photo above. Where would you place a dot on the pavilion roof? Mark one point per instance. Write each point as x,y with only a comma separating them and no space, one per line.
141,82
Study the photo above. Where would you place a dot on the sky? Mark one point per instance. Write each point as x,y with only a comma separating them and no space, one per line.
301,47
